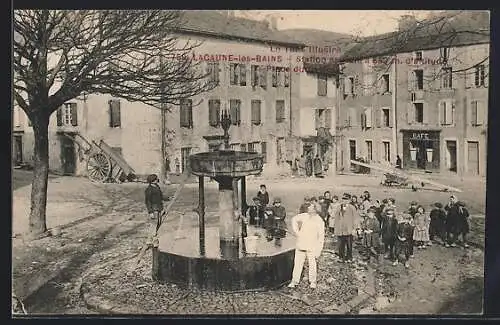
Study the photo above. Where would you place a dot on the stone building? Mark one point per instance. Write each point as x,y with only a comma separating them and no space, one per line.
420,94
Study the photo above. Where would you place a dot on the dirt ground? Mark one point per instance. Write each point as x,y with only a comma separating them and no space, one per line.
104,221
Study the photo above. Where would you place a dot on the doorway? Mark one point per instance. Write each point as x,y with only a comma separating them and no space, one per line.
68,156
451,155
473,157
18,150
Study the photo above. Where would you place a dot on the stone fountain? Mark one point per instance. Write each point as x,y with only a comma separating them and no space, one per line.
220,260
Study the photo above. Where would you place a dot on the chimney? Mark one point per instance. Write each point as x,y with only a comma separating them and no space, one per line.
406,22
273,23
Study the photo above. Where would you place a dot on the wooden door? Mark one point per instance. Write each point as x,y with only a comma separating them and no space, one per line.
68,156
18,149
473,157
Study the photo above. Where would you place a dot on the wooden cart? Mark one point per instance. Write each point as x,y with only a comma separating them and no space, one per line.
103,163
391,179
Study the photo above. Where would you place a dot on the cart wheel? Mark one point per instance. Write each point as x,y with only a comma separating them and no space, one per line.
98,167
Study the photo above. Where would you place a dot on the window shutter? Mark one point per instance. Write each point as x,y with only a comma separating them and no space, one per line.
232,74
354,117
378,114
426,113
442,113
328,117
363,120
243,74
238,111
480,113
59,116
213,116
263,148
486,75
410,116
287,77
190,113
473,113
410,80
114,111
452,111
74,114
368,117
448,112
263,77
317,119
390,117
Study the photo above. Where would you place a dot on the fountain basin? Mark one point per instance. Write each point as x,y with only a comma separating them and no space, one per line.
178,261
226,163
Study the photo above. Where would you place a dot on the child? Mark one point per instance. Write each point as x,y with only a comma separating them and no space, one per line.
314,201
463,222
452,221
404,230
413,208
153,197
437,224
263,197
421,232
327,201
253,213
388,231
371,234
354,202
268,223
331,211
303,207
279,214
323,212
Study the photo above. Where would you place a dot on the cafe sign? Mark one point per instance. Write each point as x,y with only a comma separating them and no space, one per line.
420,136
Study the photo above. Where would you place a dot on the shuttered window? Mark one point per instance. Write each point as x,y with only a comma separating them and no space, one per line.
368,118
243,74
263,150
275,76
235,111
256,111
447,78
287,77
255,75
114,113
322,85
186,113
477,113
213,71
263,77
328,118
446,112
480,76
67,115
213,112
280,111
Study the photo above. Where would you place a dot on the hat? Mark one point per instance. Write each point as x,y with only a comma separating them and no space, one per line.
385,201
438,205
413,203
371,209
152,178
307,198
277,200
346,196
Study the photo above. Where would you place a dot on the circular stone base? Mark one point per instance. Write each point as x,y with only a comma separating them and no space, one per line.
177,260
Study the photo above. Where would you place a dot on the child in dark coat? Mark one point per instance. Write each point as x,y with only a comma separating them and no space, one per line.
388,231
404,233
463,222
438,220
371,234
279,213
263,197
252,213
153,197
303,206
452,221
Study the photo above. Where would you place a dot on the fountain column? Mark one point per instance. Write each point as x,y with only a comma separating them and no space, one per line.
228,222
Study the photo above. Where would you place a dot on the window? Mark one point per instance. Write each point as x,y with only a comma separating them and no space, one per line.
328,118
243,74
446,112
256,111
477,112
67,115
286,77
214,112
186,111
369,150
386,122
479,76
445,54
279,150
280,111
185,153
275,76
349,86
419,112
235,111
213,71
418,81
251,147
255,75
114,113
243,147
263,150
447,78
387,150
322,85
319,121
367,118
238,74
418,56
235,146
385,83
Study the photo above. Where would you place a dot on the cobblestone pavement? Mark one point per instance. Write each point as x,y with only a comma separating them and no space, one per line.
99,217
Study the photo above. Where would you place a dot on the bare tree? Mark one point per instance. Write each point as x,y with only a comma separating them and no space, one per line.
60,55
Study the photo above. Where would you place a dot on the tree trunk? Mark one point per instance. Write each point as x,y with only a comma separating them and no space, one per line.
37,219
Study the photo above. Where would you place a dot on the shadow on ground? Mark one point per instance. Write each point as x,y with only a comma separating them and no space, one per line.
468,298
22,177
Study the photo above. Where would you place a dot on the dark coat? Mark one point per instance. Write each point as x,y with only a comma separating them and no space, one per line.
303,207
438,219
463,221
309,166
452,217
263,198
279,221
388,229
318,166
371,239
346,221
253,215
153,198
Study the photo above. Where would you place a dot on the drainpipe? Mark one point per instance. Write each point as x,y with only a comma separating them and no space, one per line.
394,107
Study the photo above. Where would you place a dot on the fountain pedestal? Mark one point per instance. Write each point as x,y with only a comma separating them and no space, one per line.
220,261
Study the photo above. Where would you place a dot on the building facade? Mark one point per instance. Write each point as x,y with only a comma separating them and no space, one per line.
425,102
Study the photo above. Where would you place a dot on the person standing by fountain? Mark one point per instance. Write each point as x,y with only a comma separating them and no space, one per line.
279,213
153,197
310,231
252,213
263,197
318,166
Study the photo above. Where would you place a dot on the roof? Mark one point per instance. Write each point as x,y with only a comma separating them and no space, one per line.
214,23
450,30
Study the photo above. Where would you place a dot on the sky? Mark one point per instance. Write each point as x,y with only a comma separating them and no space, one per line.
354,22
